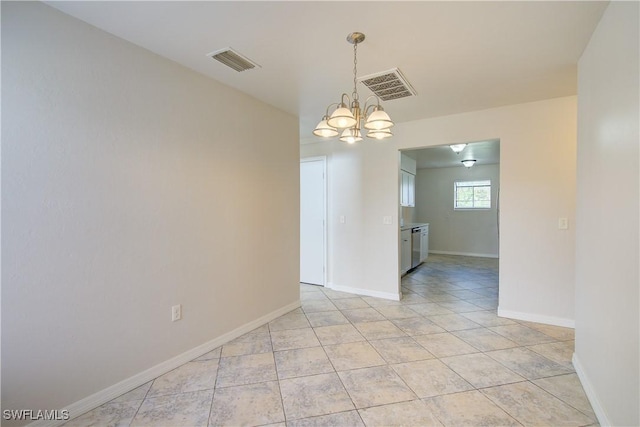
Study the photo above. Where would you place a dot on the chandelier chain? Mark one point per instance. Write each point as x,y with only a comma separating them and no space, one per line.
355,71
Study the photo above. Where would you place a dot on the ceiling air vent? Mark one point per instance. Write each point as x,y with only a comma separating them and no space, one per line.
233,59
388,85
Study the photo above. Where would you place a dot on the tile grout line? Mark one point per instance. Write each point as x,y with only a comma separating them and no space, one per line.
275,367
141,402
344,387
387,364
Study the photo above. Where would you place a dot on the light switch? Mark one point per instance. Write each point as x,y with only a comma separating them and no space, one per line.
386,220
563,223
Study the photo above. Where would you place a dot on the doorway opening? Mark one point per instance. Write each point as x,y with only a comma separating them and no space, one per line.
461,207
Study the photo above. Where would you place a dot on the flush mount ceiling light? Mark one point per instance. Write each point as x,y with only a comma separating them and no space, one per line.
348,119
457,148
469,162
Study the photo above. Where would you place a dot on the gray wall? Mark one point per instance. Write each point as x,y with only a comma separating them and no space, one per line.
607,312
468,232
130,184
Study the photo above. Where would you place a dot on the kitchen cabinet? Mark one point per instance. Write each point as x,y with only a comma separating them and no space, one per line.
404,188
408,164
407,181
424,242
407,189
412,190
405,251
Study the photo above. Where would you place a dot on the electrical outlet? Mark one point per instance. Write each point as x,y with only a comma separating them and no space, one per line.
563,223
342,219
386,220
176,312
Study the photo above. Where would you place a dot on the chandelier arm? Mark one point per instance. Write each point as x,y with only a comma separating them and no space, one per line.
367,106
348,104
372,96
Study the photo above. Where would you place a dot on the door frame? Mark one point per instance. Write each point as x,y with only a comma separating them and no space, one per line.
322,159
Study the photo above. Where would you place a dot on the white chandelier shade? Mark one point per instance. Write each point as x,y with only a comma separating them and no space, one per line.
379,134
324,130
342,118
378,120
351,136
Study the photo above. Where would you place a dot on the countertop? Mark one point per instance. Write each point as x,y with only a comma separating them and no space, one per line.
409,226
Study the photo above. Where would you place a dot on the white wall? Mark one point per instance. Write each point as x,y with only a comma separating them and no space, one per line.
536,259
607,254
461,232
362,240
129,184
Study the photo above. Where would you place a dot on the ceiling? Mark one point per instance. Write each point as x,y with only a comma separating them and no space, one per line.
483,152
458,56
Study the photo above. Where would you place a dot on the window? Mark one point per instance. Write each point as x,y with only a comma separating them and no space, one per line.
472,195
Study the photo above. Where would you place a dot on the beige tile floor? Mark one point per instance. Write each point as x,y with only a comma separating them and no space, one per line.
440,356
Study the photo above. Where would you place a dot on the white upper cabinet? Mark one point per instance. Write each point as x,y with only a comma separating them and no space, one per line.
411,200
407,189
407,164
407,181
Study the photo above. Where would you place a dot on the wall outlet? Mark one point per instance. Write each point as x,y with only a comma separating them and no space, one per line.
563,223
386,220
176,312
342,219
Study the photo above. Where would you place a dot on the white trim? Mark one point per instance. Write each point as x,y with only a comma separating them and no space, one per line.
325,210
537,318
313,159
103,396
590,392
464,254
366,292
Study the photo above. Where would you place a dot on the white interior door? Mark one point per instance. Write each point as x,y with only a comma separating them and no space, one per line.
312,221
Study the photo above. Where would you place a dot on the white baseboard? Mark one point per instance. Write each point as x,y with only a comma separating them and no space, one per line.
464,254
590,392
537,318
367,292
103,396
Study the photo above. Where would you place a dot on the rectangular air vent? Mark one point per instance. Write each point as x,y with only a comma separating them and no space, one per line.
233,59
388,85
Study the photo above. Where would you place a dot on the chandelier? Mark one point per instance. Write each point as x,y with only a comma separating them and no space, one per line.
348,117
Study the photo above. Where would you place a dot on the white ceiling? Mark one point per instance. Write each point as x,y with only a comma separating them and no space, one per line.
459,56
442,156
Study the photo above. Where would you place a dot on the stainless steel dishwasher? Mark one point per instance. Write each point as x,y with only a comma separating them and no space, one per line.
416,245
